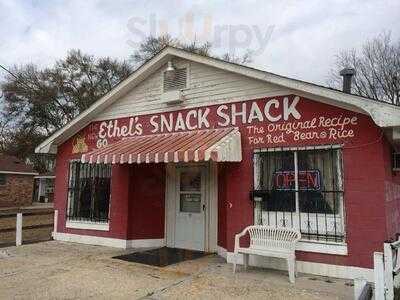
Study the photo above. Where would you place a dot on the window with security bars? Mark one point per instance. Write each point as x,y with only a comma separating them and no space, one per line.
89,192
3,179
396,161
176,82
303,189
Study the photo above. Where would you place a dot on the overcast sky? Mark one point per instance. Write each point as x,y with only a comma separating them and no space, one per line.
293,38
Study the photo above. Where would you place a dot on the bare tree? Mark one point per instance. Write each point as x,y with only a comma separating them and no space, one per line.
44,100
152,45
36,101
244,59
3,133
377,67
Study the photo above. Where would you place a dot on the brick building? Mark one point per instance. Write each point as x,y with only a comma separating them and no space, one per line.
189,150
16,182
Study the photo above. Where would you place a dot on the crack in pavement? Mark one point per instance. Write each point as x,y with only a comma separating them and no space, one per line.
157,292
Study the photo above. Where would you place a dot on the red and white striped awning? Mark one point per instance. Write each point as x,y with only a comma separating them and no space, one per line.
202,145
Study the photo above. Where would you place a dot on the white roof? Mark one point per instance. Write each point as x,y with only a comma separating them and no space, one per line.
383,114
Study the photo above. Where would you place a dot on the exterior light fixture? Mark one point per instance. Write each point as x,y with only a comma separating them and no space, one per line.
170,71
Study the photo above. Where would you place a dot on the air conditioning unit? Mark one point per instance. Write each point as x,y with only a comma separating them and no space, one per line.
174,82
172,97
396,161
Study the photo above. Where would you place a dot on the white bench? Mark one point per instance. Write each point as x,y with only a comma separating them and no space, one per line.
269,241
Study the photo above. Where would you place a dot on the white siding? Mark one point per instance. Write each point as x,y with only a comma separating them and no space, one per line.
206,85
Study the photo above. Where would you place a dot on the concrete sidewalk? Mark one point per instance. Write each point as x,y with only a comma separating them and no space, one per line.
56,270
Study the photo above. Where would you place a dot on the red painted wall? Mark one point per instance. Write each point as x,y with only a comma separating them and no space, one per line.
392,194
119,196
364,204
363,200
223,204
137,199
364,181
146,202
365,157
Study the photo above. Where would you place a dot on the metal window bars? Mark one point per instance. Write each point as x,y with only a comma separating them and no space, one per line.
89,192
302,188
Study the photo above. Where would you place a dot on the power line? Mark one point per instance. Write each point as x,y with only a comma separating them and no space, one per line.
8,71
16,77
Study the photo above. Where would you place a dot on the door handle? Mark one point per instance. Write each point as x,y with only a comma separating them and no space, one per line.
204,207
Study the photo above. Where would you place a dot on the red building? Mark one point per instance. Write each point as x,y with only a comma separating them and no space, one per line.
189,150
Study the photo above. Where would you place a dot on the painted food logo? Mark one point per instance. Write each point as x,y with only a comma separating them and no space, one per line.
79,145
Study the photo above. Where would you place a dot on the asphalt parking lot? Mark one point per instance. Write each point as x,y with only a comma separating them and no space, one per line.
57,270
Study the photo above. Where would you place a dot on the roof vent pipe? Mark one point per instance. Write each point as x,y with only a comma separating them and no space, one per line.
347,74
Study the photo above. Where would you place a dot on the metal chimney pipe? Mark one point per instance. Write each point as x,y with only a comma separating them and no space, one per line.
347,74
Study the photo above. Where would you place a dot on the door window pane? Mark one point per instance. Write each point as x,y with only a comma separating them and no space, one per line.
190,203
190,180
190,190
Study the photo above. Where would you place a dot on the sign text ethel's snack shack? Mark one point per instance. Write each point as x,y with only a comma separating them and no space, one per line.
268,121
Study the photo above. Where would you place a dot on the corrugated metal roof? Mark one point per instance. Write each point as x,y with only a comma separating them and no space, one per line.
190,146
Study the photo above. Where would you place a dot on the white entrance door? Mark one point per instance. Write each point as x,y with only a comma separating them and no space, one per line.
190,207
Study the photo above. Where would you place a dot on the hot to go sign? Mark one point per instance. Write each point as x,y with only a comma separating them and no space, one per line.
309,180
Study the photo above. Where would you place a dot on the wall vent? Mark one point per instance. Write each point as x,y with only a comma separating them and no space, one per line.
176,82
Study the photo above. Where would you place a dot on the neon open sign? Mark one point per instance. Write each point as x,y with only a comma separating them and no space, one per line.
309,180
